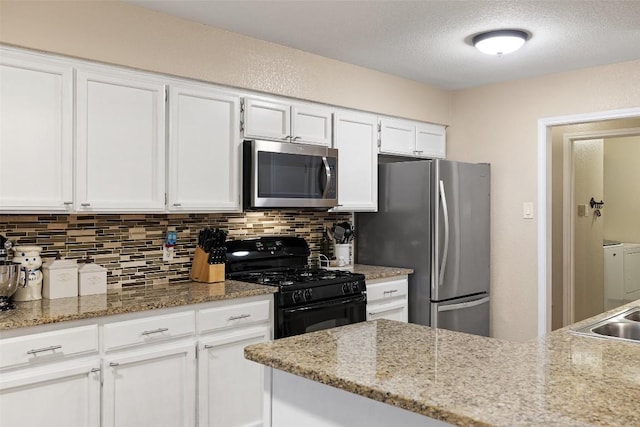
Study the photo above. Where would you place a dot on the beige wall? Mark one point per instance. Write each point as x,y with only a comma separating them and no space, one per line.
622,189
498,124
122,34
588,255
494,123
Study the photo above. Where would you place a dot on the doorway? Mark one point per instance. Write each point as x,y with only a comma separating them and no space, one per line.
548,227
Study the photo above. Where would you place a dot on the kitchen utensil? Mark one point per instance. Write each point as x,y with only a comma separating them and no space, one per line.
338,233
9,274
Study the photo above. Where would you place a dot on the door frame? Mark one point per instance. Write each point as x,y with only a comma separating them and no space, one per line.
544,200
569,211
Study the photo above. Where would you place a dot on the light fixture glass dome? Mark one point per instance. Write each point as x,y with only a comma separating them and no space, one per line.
500,42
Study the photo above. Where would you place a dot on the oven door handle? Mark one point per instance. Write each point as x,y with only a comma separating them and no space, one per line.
362,298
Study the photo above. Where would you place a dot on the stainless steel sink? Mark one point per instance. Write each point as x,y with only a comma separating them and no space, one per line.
635,316
621,326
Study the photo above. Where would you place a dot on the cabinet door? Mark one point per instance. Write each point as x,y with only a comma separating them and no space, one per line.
430,141
36,145
394,310
120,143
397,137
61,394
150,388
311,125
266,120
231,387
204,150
355,137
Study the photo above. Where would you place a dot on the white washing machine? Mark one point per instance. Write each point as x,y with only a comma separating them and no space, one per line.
631,271
613,275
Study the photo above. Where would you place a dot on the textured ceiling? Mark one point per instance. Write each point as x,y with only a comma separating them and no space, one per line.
428,40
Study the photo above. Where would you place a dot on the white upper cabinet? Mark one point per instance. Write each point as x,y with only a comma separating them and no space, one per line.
414,139
204,149
431,141
356,141
397,137
311,125
120,142
287,122
36,136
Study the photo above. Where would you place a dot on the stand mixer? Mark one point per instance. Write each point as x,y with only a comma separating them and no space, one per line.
9,275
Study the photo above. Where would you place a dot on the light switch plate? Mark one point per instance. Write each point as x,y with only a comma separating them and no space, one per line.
527,210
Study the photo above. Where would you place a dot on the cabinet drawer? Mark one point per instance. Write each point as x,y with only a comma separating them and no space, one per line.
387,289
233,315
48,346
148,330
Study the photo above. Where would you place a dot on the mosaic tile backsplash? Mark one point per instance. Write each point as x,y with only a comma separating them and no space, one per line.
130,246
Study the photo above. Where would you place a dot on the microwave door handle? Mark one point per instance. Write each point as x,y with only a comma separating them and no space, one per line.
327,172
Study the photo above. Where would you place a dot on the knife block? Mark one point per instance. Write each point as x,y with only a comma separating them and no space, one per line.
202,271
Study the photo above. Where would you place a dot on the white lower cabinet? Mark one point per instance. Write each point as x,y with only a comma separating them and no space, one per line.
230,391
156,370
150,387
59,394
388,299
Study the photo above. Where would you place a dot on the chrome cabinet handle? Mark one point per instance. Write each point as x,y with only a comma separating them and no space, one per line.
390,292
177,204
67,203
94,370
242,316
288,137
155,331
40,350
297,137
208,346
85,205
417,151
114,364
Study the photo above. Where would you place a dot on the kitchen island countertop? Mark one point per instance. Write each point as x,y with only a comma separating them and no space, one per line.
132,299
559,379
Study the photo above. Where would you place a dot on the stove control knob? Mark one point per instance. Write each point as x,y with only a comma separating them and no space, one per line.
297,296
307,295
346,288
355,287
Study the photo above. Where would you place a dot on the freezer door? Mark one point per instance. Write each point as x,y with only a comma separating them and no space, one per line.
399,234
461,235
470,315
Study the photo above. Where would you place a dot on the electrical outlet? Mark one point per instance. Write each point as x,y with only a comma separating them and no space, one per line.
168,253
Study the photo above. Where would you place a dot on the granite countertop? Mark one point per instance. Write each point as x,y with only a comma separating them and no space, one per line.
372,272
141,298
127,300
559,379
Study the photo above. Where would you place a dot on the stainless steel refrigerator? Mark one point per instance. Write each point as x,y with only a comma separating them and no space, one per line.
433,217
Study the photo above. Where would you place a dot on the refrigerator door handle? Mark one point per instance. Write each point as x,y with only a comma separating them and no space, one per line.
445,251
463,305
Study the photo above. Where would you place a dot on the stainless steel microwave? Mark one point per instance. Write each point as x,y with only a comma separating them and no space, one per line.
289,175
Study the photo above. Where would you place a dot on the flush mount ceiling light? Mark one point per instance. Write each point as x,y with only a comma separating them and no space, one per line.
500,42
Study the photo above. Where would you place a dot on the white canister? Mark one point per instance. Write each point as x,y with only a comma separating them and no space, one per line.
92,280
342,252
60,279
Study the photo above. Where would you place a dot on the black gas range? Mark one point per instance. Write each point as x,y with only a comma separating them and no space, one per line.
308,299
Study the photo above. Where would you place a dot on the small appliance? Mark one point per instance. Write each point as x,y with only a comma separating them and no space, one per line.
284,174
